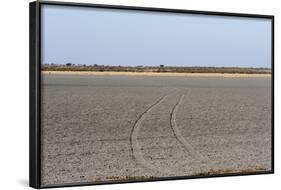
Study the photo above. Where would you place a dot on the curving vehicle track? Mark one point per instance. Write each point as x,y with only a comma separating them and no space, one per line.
137,149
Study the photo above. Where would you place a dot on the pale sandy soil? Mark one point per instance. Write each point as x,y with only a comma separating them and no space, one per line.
98,129
154,74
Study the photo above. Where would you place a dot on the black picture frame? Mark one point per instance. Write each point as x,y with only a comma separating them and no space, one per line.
35,87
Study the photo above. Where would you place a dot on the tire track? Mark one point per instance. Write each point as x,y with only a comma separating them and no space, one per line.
137,155
198,157
135,147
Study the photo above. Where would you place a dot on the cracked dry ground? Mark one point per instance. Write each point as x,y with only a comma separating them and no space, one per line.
103,128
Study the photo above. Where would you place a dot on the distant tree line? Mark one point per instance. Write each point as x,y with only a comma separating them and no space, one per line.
160,68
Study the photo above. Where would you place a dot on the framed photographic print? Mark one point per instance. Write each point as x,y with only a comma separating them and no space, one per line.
130,94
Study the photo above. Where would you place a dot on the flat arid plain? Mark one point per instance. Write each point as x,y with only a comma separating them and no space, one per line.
102,128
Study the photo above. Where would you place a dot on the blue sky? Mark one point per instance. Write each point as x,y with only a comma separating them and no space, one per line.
130,38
